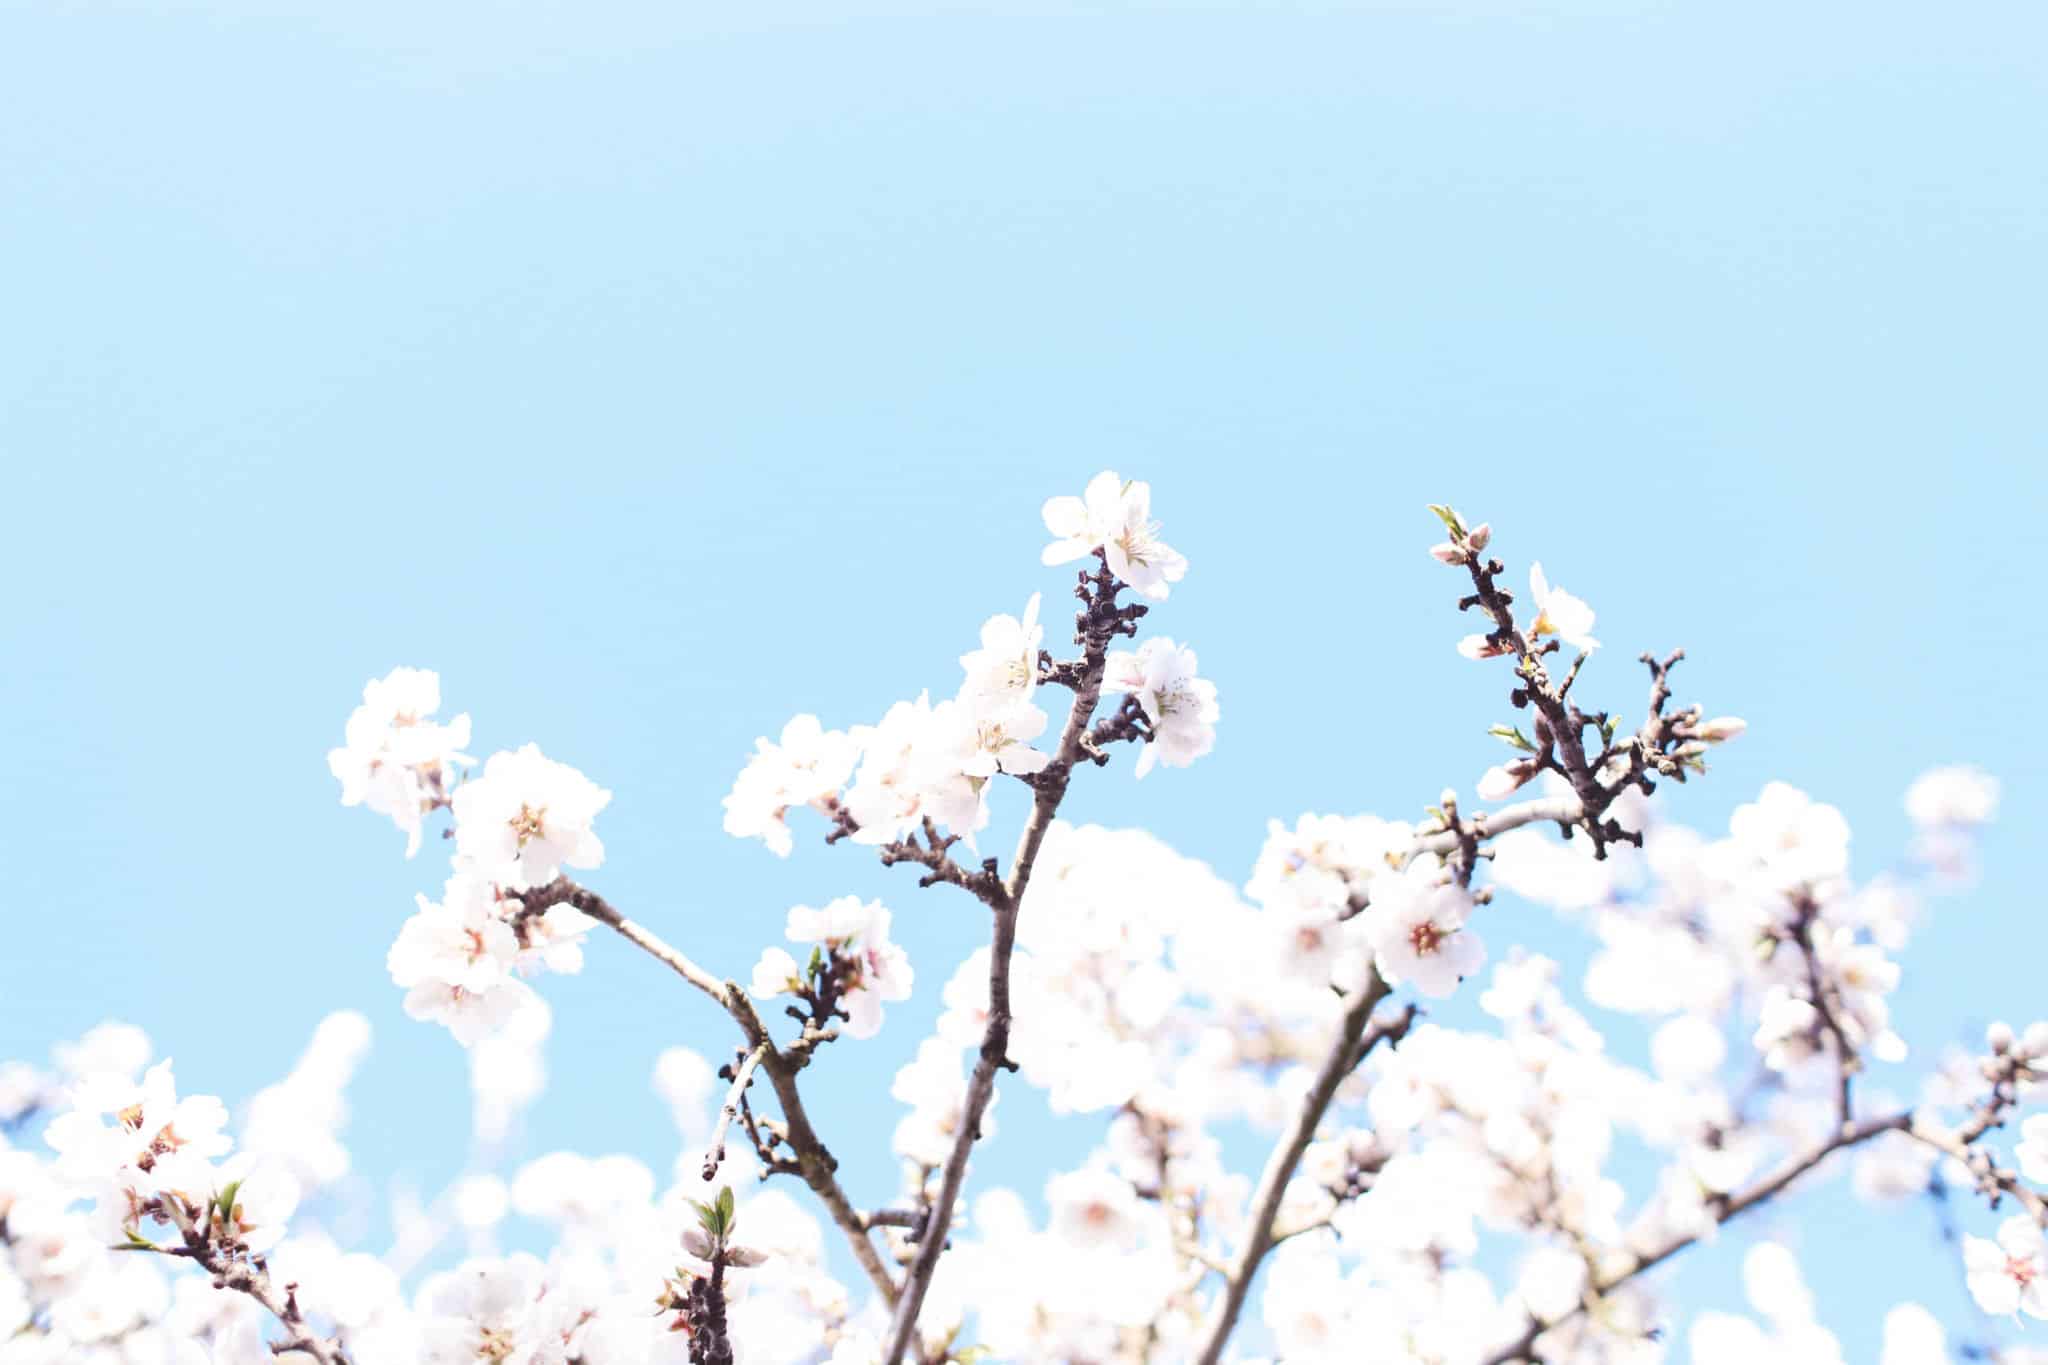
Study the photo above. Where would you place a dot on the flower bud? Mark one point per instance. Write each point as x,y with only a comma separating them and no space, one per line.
1477,538
1720,729
1504,780
1999,1036
1447,553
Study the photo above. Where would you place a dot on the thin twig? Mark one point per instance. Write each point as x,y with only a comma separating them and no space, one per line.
812,1160
728,1111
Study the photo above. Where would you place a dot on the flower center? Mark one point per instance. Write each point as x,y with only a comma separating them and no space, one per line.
2022,1269
529,823
1425,938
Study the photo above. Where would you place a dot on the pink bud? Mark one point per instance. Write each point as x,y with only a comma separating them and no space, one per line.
1477,537
1447,553
1721,728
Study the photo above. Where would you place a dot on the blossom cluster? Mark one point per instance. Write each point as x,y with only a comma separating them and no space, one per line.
1313,1100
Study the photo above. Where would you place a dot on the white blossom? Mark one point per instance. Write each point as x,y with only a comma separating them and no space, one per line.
1005,669
1116,518
1952,797
808,766
1180,707
393,758
526,818
857,935
1418,929
1559,613
2010,1275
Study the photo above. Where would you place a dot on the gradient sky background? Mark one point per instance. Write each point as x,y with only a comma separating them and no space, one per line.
655,373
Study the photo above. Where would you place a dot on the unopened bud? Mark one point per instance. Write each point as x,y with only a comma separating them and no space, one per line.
1479,535
1999,1036
1692,748
1504,780
1447,553
1720,729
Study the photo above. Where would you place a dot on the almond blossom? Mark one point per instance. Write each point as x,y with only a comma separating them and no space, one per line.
1418,929
133,1142
1181,707
1116,518
526,818
806,767
1005,668
1559,613
394,759
1093,1208
2009,1275
874,970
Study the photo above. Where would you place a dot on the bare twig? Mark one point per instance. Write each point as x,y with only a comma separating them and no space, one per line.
727,1112
810,1159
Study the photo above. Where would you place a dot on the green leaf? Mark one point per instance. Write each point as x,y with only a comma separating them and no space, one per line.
725,1219
817,961
1509,734
1449,517
226,1200
973,1354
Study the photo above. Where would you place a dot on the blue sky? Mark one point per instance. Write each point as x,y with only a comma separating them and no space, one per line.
655,374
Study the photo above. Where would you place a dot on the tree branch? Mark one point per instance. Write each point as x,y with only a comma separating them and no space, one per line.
1354,1039
728,1111
1524,1347
813,1162
1099,622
